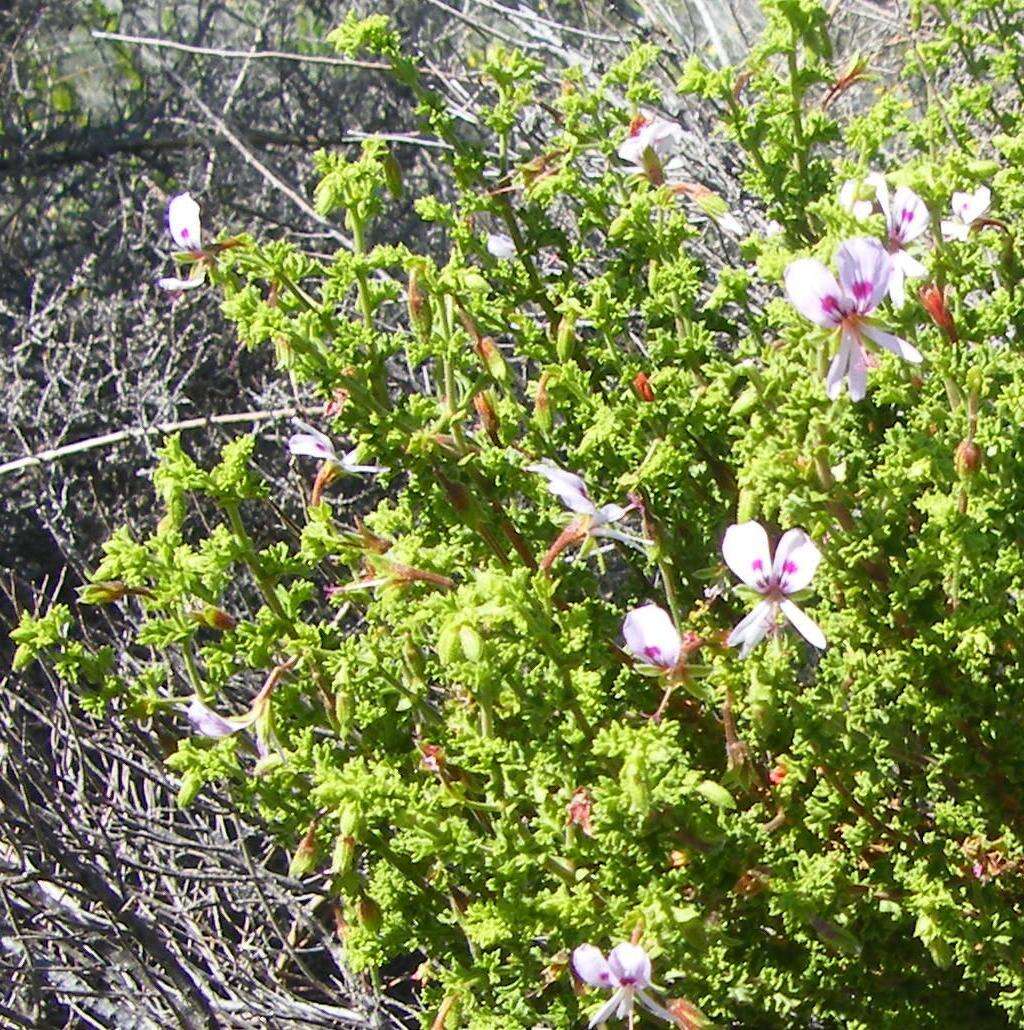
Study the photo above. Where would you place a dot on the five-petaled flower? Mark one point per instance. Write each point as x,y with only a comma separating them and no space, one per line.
854,194
906,217
311,443
626,970
746,551
186,229
864,271
967,209
651,142
590,520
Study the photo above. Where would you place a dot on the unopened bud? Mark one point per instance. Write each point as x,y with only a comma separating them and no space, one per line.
304,859
542,404
488,351
368,913
392,175
643,388
488,416
420,314
214,618
967,459
933,300
565,341
104,592
344,854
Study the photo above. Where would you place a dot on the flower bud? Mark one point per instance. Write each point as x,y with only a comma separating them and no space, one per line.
368,913
104,592
643,388
392,175
344,854
492,358
304,859
420,314
542,405
565,341
933,300
214,618
967,459
488,416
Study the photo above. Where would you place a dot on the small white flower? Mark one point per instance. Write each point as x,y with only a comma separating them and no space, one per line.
967,209
311,443
627,970
651,142
746,551
501,246
570,489
652,638
864,272
852,195
185,226
906,217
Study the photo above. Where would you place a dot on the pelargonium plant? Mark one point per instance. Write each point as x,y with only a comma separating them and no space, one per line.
474,745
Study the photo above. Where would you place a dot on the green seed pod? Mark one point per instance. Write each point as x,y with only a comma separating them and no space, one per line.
420,315
392,175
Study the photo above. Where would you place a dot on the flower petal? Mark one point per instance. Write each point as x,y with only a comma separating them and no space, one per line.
607,1010
796,560
804,624
651,1005
752,628
566,486
651,636
207,722
311,443
590,965
745,550
897,279
184,223
864,268
814,292
348,463
500,246
908,216
610,513
173,284
899,347
912,268
630,965
840,366
955,230
857,377
969,206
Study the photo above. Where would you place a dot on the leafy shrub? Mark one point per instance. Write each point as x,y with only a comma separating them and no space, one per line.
454,732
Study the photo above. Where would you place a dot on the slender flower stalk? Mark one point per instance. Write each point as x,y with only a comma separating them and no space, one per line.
746,551
627,971
845,306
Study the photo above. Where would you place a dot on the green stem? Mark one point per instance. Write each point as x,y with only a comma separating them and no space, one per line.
266,585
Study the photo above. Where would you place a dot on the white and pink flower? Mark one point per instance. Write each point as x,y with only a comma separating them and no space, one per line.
855,195
311,443
746,551
967,209
906,217
570,489
864,272
652,638
652,140
184,223
626,971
